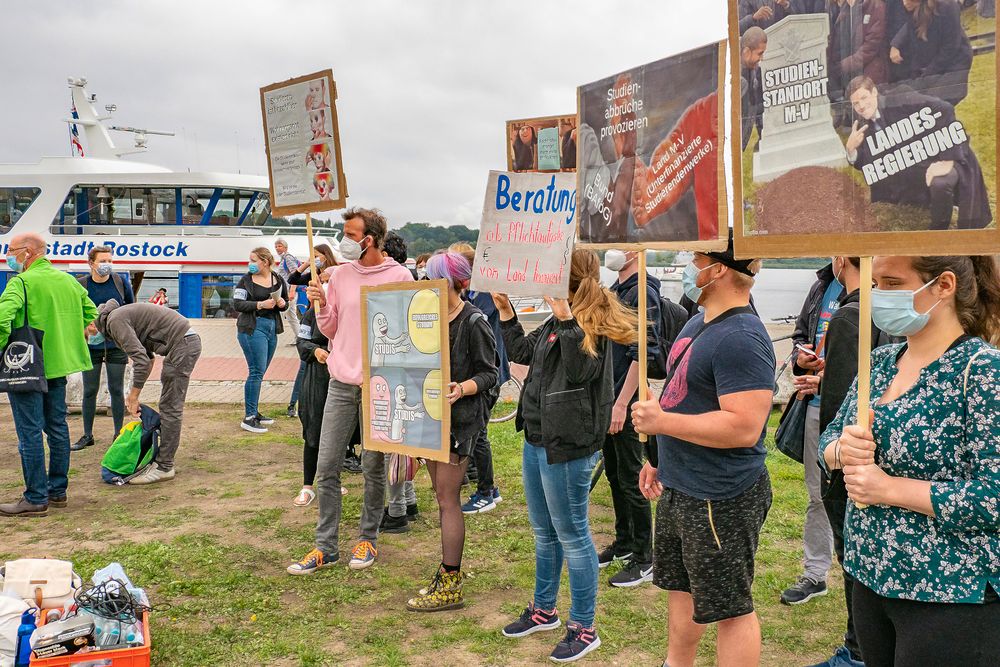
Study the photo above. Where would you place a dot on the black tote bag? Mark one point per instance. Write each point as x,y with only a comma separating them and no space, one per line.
21,366
791,434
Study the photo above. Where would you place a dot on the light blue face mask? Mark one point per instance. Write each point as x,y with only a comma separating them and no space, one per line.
96,339
689,280
893,311
14,265
252,268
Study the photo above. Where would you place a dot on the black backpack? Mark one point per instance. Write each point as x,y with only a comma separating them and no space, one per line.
672,319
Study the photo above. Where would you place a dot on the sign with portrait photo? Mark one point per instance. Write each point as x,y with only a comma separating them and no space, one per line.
650,172
542,144
865,130
302,139
406,369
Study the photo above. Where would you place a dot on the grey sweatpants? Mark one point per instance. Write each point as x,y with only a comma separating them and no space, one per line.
341,414
817,538
175,376
401,494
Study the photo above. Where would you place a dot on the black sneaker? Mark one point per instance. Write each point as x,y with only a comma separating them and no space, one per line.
805,589
531,621
412,512
633,574
609,556
266,421
253,425
292,412
352,464
579,641
393,524
82,443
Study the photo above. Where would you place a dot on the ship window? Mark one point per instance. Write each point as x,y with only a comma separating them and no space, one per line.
260,212
217,295
13,203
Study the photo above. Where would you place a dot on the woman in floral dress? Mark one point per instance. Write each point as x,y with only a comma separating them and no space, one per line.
922,537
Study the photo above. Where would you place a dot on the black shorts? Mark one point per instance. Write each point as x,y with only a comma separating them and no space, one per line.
707,548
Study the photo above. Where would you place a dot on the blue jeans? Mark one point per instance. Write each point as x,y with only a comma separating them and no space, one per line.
34,413
558,499
258,348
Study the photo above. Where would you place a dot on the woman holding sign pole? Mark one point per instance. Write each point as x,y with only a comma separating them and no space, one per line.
923,545
564,412
473,372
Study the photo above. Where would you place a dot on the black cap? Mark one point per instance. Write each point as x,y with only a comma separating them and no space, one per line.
728,258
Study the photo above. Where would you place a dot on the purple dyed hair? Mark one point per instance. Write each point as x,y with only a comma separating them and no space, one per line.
451,266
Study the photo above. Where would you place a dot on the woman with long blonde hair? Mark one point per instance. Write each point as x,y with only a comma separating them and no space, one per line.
564,412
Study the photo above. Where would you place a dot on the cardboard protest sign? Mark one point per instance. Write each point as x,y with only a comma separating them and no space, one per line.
526,235
406,369
542,144
650,173
860,136
302,139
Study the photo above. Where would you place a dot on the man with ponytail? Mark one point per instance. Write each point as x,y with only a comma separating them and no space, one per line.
923,541
564,412
713,487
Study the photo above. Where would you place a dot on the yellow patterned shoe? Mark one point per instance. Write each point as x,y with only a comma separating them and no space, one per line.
445,592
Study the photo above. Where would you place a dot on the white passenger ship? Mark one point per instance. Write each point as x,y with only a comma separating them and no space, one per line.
188,232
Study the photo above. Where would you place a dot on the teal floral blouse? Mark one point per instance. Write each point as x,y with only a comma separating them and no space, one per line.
947,432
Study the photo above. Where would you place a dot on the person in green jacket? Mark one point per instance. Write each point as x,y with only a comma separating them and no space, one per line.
59,306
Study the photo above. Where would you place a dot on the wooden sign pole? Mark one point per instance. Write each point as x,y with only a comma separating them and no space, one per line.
865,349
643,387
314,277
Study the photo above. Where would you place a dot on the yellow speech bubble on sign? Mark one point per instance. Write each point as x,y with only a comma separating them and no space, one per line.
424,322
433,393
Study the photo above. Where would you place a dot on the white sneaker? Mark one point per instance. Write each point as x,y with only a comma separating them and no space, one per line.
153,475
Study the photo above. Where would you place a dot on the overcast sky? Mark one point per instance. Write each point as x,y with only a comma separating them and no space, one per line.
424,87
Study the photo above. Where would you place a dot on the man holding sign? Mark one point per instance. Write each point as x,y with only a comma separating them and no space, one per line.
339,318
712,483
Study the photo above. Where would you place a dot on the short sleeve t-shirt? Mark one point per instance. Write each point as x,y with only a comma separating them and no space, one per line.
732,354
828,306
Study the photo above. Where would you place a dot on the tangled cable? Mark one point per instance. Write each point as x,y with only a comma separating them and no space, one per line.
112,600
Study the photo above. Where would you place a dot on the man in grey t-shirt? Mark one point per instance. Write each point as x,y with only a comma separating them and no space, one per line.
287,262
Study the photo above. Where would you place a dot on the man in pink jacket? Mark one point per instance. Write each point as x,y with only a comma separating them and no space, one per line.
339,318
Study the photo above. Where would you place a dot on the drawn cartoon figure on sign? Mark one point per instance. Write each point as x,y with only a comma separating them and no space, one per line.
383,345
402,414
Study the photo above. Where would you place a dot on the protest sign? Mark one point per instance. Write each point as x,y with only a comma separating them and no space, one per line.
851,154
302,140
526,235
650,173
406,369
542,144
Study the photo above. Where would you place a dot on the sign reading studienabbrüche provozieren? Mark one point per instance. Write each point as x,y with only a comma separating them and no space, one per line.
527,233
302,139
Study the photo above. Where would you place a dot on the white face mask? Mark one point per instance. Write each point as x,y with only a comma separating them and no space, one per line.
615,260
104,269
351,249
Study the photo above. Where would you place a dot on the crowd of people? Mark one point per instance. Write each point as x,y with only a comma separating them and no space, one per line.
906,501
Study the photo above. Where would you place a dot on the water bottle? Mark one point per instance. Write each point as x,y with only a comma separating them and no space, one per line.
133,634
113,636
22,654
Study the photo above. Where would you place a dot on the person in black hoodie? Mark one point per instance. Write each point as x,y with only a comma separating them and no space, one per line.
258,327
564,412
623,453
833,385
934,44
473,365
312,347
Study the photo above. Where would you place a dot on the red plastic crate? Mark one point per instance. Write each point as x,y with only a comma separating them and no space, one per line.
136,656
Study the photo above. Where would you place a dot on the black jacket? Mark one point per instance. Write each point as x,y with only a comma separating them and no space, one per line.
808,320
473,357
574,390
622,356
245,298
940,64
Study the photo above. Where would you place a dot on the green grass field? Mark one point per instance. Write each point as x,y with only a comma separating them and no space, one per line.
212,545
